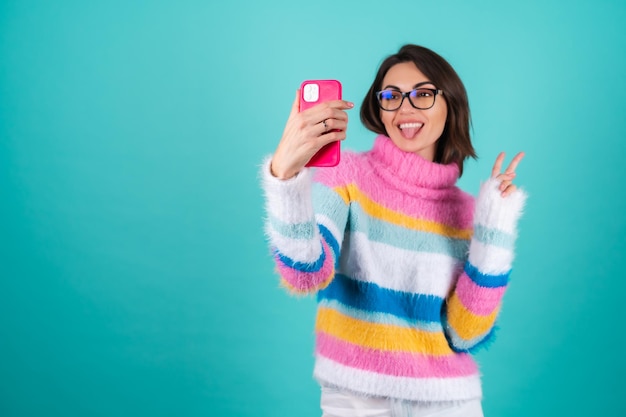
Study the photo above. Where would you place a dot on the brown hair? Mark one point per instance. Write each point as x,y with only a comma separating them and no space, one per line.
455,144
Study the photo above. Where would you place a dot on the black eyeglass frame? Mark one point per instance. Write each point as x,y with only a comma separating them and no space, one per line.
407,94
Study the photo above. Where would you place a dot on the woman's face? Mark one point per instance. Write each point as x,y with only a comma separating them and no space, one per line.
411,129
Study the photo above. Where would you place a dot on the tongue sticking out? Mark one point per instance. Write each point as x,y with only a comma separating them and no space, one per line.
409,132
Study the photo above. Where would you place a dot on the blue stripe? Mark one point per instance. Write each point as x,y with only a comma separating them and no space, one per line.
486,280
317,265
370,297
331,241
293,230
414,240
302,266
494,237
324,196
328,202
381,318
469,346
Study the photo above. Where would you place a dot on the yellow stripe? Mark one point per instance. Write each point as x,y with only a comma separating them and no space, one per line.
352,193
343,193
467,324
380,336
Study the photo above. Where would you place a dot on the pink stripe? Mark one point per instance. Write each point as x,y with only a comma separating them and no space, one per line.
305,281
451,206
395,363
481,301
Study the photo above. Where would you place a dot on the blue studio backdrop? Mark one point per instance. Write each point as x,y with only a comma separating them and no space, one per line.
135,278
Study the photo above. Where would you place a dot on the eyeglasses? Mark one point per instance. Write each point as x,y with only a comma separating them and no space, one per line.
420,98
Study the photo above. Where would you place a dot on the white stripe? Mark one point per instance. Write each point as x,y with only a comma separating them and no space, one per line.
328,372
490,259
399,269
495,211
343,403
331,226
288,200
302,250
299,250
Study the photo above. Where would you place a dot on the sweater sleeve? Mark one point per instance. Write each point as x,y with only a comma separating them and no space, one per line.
473,306
304,238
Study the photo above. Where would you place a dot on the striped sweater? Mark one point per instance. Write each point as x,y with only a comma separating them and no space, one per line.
408,269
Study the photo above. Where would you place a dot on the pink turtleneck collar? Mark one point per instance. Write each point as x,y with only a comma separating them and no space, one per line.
407,170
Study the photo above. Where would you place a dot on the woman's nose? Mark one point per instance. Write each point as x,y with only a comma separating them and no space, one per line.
406,106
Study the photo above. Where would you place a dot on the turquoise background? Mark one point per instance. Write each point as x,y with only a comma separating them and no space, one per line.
134,274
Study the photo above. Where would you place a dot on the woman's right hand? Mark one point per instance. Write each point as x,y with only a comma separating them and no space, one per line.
307,132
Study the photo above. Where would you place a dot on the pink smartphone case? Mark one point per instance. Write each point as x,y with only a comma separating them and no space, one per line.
330,154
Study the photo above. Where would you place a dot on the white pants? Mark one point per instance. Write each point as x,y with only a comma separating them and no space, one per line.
336,403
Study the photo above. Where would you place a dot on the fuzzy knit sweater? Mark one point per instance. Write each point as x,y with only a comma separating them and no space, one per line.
408,269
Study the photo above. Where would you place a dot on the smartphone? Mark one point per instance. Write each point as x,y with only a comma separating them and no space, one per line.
313,92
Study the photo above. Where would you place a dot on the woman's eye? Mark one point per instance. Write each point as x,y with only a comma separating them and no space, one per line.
422,93
391,95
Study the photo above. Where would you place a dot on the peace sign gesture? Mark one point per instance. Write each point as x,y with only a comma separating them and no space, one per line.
507,177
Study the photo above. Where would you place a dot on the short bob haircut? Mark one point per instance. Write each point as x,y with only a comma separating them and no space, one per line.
455,144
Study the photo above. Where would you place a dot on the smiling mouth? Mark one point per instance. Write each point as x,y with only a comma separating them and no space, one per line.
409,130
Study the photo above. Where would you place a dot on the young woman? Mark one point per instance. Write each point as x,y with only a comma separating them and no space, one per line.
408,269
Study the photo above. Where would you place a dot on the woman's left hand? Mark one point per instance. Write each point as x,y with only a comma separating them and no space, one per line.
507,177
